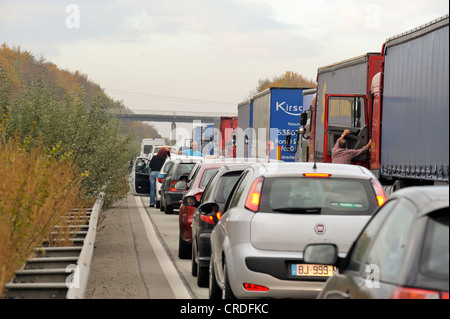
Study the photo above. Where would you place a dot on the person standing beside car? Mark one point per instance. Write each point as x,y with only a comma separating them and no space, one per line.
341,154
193,151
155,165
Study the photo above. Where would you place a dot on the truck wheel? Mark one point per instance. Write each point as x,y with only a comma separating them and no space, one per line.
398,184
387,190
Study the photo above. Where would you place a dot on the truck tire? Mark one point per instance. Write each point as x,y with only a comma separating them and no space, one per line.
398,184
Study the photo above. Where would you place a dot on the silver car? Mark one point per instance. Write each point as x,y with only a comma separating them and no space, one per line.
274,212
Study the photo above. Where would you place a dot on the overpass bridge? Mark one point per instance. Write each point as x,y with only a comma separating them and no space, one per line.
173,116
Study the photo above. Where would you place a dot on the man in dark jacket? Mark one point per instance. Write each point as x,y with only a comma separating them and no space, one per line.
155,165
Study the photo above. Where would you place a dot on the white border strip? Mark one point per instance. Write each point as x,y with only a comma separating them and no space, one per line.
173,277
77,288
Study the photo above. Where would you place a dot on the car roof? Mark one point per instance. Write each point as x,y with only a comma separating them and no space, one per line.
208,165
188,159
426,198
299,168
233,167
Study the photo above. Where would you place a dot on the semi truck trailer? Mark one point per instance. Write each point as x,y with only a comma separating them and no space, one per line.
403,108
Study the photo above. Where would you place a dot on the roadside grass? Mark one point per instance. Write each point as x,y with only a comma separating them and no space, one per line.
36,190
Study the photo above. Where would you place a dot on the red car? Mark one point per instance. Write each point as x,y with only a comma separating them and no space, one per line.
198,179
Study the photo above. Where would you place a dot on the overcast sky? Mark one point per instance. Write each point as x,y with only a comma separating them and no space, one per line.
204,55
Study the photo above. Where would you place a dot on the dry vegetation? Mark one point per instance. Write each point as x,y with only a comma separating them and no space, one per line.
36,189
60,147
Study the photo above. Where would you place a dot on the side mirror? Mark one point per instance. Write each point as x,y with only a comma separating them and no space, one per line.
180,186
208,208
191,201
210,212
323,254
303,118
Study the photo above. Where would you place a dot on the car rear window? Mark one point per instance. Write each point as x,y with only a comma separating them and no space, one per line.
225,185
167,167
434,261
207,174
148,149
185,168
336,196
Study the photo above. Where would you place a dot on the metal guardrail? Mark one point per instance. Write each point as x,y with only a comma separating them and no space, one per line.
59,272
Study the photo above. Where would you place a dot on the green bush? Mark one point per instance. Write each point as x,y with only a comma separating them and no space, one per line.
91,134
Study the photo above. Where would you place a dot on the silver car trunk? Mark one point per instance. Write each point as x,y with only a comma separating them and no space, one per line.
292,232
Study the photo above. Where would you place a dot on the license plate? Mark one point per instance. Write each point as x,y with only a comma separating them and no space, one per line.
311,270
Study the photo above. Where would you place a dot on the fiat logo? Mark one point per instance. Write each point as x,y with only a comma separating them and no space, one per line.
320,229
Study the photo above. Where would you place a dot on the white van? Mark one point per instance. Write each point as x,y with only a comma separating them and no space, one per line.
148,144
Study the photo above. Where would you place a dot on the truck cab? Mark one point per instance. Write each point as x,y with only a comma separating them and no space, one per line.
346,112
343,102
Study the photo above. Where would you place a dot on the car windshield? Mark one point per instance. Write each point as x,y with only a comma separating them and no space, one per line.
435,258
207,174
337,196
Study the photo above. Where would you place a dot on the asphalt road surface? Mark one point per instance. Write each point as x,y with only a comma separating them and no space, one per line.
136,255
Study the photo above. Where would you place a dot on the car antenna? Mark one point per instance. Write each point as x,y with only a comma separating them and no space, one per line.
315,157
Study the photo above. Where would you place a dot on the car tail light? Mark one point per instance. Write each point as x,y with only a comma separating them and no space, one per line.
414,293
160,180
444,295
254,195
379,192
172,188
253,287
316,175
210,218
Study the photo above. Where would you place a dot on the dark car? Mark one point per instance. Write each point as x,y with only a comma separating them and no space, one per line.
402,253
207,213
197,181
171,195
